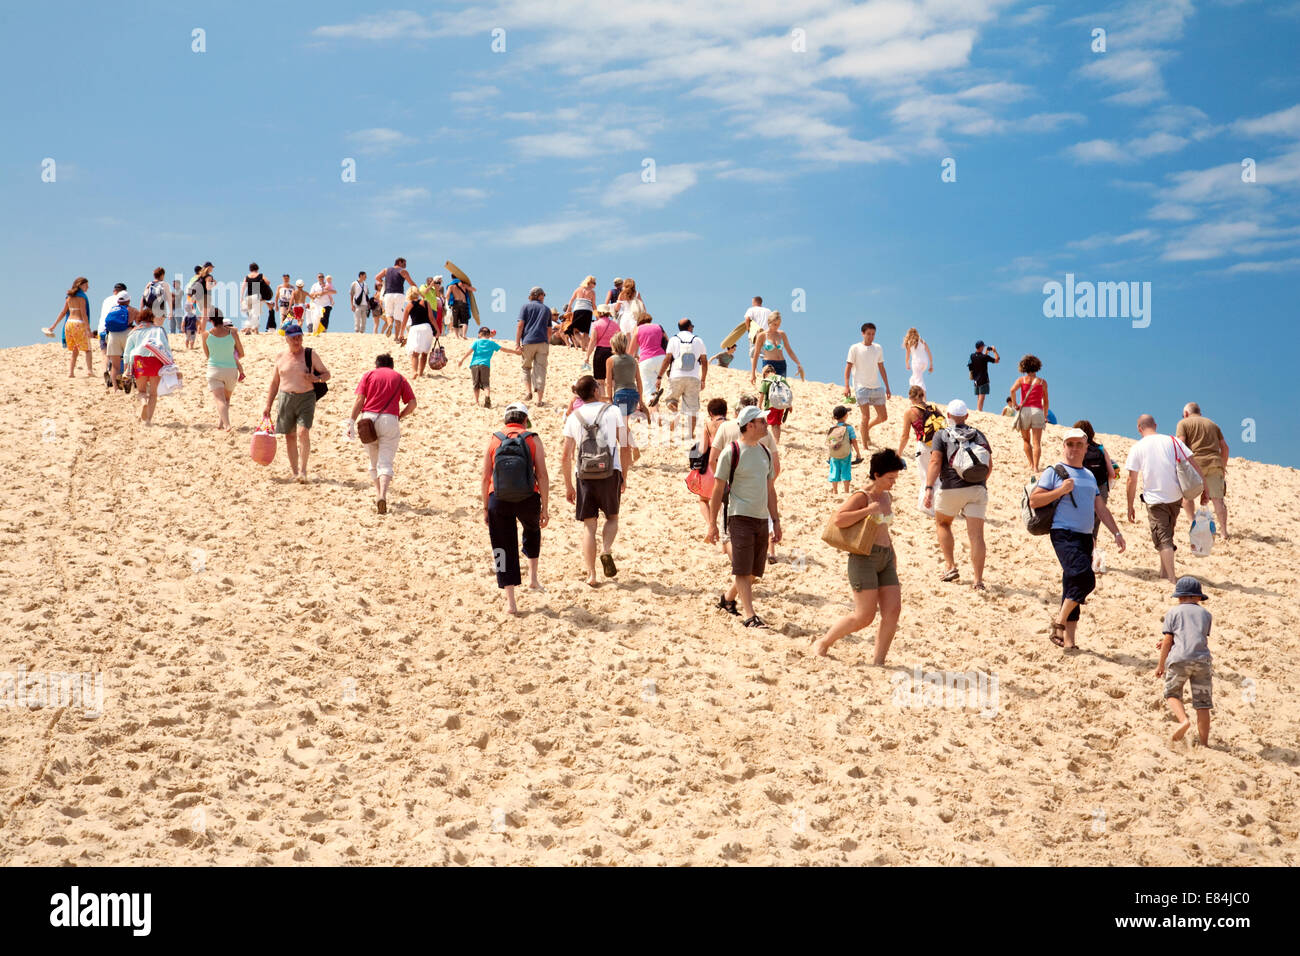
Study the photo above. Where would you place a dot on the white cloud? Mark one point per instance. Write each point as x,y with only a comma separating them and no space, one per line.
575,144
395,25
750,174
1210,241
619,241
670,181
468,193
475,95
1276,265
545,233
379,140
1282,123
1031,16
1101,239
1097,151
1157,144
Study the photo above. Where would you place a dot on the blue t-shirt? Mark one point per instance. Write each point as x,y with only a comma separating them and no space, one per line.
537,323
483,350
1081,515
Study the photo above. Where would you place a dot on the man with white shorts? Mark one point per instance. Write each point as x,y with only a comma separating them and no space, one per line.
957,495
687,365
394,279
866,381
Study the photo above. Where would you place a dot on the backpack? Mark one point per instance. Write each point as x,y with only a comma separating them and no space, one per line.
154,293
686,360
320,388
513,475
1094,459
117,320
263,288
934,420
595,459
1039,520
779,394
837,437
731,476
969,458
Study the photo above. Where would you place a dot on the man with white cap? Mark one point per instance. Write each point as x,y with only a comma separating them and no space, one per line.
117,326
961,461
747,475
533,339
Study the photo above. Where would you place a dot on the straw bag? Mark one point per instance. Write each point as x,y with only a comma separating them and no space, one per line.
857,538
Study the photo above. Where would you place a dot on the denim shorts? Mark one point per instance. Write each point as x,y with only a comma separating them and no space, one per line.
871,396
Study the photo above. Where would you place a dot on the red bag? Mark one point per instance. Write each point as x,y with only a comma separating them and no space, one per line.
438,357
263,448
700,484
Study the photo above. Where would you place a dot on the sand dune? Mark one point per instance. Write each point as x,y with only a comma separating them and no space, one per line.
290,678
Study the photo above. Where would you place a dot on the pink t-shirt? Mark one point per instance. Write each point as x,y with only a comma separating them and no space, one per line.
649,339
605,330
383,388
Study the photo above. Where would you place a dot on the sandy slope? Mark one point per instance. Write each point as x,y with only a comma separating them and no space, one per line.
289,677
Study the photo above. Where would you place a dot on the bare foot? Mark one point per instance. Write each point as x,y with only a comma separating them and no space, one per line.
1181,732
536,585
591,580
817,648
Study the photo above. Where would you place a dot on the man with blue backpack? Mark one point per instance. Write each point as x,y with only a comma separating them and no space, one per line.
117,325
516,487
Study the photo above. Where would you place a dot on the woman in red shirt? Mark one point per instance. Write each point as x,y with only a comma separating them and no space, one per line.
1031,408
530,508
378,395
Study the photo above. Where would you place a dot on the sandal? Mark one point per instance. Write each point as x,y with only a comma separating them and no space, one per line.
381,506
607,562
979,587
1058,633
728,606
950,575
755,621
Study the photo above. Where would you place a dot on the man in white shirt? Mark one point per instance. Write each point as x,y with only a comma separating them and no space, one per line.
359,297
1155,457
597,495
687,365
316,296
866,380
757,317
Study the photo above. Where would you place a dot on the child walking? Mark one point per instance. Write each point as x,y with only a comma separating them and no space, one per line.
1185,656
480,366
844,448
778,400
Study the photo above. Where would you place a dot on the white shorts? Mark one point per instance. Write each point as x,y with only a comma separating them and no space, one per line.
252,311
384,451
649,371
223,378
969,502
419,338
394,304
687,389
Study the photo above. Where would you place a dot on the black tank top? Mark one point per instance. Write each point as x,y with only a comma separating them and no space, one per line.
393,280
420,313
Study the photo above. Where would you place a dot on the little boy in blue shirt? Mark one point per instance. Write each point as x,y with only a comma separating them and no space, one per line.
480,366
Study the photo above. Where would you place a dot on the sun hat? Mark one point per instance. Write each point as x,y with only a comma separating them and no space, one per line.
298,283
1188,586
437,280
749,414
957,409
291,328
1074,433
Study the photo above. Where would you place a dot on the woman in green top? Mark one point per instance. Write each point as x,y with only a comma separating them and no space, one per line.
623,377
223,350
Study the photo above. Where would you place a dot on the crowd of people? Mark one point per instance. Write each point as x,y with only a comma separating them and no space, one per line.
635,371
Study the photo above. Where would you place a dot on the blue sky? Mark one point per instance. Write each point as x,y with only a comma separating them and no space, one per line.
783,160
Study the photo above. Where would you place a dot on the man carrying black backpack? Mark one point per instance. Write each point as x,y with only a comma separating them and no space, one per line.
516,487
961,462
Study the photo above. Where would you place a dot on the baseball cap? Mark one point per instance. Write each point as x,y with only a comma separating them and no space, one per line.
1074,433
124,297
748,414
291,328
517,407
957,409
299,282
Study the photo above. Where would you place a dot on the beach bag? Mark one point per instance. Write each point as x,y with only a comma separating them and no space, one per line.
169,380
262,449
437,357
857,538
320,388
969,459
699,460
838,440
1189,480
1201,534
595,458
701,483
779,394
366,431
513,476
264,288
1039,520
